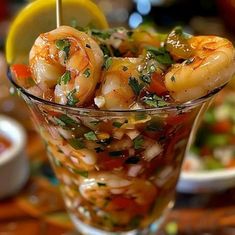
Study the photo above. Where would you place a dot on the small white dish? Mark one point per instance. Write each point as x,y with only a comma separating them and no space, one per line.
14,167
206,181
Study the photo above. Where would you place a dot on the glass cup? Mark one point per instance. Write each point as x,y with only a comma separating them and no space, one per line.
117,169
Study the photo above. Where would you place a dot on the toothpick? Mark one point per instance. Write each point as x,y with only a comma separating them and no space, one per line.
58,13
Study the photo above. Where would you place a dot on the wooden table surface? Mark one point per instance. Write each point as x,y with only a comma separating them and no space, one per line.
38,209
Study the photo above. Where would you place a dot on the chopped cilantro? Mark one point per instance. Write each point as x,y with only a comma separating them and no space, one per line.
101,184
154,101
90,136
107,63
117,124
155,126
135,85
63,45
80,172
65,78
146,78
76,143
161,55
87,73
100,34
72,99
132,160
138,142
124,68
105,50
173,78
66,120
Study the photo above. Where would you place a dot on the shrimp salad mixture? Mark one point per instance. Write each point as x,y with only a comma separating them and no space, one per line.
118,170
121,69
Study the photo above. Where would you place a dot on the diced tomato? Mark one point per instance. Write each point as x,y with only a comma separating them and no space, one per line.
21,70
157,85
121,202
224,126
112,163
22,75
174,120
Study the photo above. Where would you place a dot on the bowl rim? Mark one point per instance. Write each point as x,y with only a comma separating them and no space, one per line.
198,176
18,145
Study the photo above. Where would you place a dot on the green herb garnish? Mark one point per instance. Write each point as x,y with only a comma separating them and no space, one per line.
173,79
63,45
66,120
80,172
72,99
76,143
117,124
146,78
90,136
135,85
87,73
154,101
101,34
138,142
161,55
65,78
105,50
108,62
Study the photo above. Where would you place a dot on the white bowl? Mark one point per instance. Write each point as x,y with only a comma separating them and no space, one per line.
14,167
206,181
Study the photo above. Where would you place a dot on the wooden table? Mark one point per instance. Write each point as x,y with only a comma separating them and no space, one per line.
38,209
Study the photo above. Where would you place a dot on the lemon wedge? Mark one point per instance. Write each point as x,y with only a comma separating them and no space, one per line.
40,17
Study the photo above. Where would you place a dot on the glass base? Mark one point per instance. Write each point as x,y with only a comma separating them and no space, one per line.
85,229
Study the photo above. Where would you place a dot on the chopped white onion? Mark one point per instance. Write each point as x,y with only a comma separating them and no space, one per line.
152,151
134,170
132,133
99,101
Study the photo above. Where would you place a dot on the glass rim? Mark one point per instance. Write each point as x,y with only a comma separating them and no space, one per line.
168,108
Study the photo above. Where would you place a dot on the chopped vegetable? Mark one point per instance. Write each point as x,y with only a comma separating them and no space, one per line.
76,143
63,45
161,55
65,78
138,142
135,85
72,99
90,136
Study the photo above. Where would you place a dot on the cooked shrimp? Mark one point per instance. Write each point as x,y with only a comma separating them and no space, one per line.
69,61
115,91
101,187
210,67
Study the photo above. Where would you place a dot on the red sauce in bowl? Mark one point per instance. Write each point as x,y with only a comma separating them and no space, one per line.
4,143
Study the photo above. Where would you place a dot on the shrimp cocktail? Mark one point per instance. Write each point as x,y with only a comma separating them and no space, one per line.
115,108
